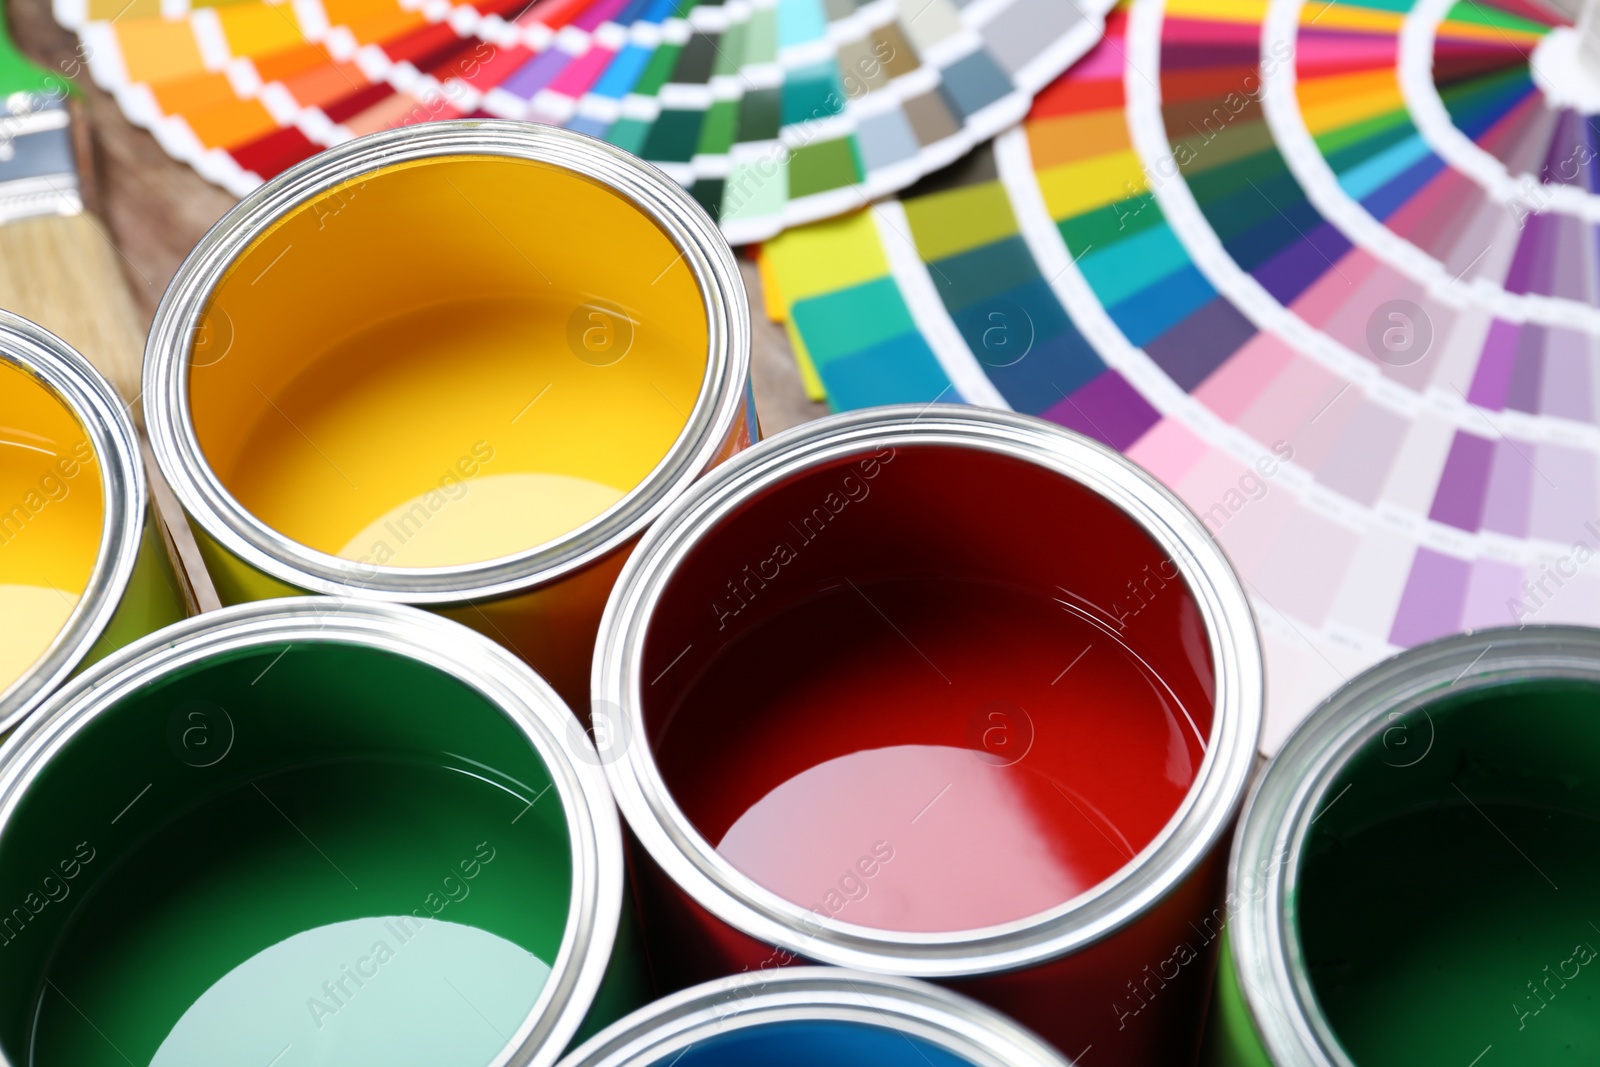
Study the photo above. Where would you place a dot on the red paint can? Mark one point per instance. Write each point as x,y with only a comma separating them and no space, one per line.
945,693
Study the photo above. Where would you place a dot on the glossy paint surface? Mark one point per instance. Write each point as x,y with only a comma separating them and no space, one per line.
347,861
916,828
1445,903
51,515
956,692
814,1044
463,375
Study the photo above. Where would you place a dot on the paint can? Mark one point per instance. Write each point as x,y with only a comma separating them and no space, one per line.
84,567
815,1015
1413,875
940,692
460,365
310,830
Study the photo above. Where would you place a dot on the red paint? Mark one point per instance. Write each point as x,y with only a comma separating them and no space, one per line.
822,675
848,723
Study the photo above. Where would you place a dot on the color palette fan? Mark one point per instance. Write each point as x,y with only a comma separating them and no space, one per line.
1237,243
774,112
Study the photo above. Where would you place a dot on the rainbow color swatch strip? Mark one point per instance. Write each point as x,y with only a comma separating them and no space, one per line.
774,112
1144,263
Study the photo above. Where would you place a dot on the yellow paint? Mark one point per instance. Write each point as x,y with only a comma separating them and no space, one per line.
1350,18
1333,103
156,49
1252,12
959,220
827,256
433,367
106,10
810,380
256,29
1450,30
434,529
822,258
772,302
51,515
1079,187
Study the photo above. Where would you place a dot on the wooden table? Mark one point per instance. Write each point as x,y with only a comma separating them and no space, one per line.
155,208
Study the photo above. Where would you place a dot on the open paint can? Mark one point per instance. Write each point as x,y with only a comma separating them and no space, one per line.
459,365
815,1017
308,831
939,692
1414,876
83,565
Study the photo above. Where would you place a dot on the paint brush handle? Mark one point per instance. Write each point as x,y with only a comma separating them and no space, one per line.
61,271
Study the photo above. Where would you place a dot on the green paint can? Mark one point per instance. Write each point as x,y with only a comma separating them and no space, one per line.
308,831
1415,876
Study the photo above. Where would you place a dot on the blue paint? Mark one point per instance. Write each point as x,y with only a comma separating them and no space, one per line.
623,72
1120,270
1161,305
816,1044
1363,180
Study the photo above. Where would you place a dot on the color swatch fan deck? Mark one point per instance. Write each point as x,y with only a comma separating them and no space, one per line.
1329,270
774,112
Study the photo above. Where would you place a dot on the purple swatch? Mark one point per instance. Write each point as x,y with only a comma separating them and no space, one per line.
1510,497
1493,378
1431,604
1464,483
1491,591
1108,409
1522,391
536,73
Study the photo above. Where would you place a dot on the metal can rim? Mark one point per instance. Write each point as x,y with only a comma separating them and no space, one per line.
955,1023
595,907
106,422
1275,822
1191,832
669,206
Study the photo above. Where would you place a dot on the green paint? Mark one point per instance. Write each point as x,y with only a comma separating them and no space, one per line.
721,124
824,165
673,137
707,192
1472,11
1115,222
1231,1039
728,52
657,70
1356,134
629,134
19,74
1464,98
760,115
359,787
1428,905
153,597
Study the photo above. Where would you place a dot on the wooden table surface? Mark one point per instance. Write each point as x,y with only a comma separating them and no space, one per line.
153,209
